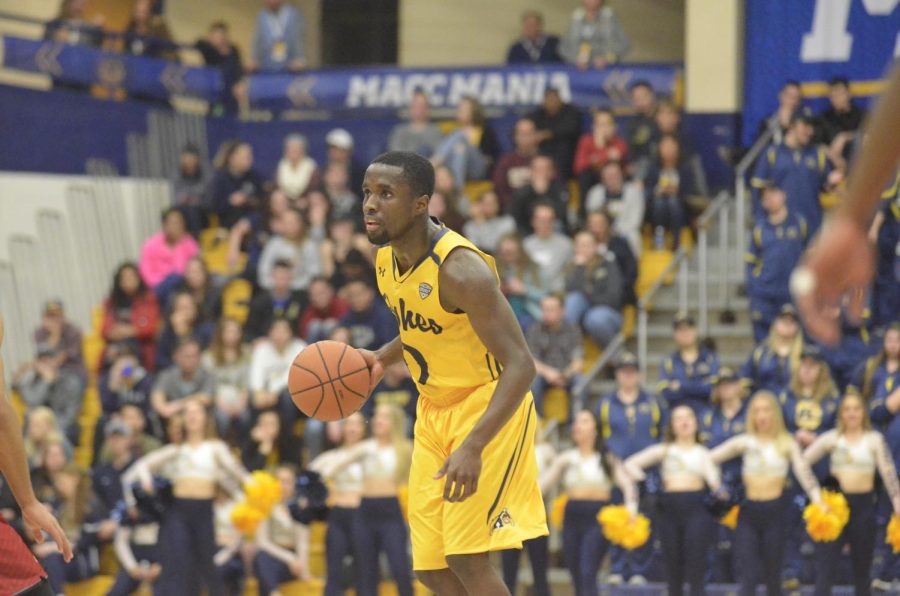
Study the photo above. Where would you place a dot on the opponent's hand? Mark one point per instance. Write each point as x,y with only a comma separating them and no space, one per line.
839,264
376,368
37,518
461,471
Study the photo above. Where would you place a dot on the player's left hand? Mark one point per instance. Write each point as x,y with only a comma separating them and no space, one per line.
461,472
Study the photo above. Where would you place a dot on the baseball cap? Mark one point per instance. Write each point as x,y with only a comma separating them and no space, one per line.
683,318
727,375
811,351
803,115
117,427
788,310
626,360
53,306
340,138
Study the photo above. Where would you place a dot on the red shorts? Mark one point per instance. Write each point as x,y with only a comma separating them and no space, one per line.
19,569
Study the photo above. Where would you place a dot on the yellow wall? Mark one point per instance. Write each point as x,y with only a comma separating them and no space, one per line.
714,55
476,32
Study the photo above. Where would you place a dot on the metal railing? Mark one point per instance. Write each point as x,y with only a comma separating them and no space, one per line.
740,194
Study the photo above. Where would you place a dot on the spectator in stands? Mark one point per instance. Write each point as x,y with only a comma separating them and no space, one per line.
445,211
141,441
534,47
278,302
559,126
810,401
236,187
487,225
340,151
260,451
54,454
107,477
885,233
595,38
369,321
557,347
596,148
773,361
295,245
59,333
42,382
147,34
601,224
279,38
220,52
789,99
344,202
251,234
228,359
688,374
513,170
595,290
641,132
297,172
324,312
282,542
418,135
130,316
183,321
72,28
668,122
205,289
776,244
343,253
669,183
803,170
546,246
189,187
542,188
165,254
446,184
182,382
624,200
842,117
125,383
470,150
874,371
397,389
521,280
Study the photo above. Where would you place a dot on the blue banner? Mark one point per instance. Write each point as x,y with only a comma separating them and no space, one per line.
812,41
364,91
147,77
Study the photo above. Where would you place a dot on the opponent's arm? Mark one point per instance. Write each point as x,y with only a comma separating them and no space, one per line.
14,468
467,284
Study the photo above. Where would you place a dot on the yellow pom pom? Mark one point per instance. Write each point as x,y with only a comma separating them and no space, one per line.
403,499
558,511
246,518
892,536
825,522
263,492
620,528
729,520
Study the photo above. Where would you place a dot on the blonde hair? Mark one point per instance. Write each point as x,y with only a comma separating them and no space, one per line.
783,439
824,384
73,511
853,394
402,445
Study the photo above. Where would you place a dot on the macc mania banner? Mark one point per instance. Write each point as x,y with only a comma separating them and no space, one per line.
812,41
371,90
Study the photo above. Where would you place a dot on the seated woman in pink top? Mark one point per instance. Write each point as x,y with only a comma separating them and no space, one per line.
166,254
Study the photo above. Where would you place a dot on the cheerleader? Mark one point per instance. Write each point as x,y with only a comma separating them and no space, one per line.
586,473
195,467
282,543
537,548
770,365
385,460
856,451
345,484
767,452
685,522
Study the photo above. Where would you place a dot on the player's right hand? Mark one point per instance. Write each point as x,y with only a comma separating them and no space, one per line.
376,368
839,265
39,519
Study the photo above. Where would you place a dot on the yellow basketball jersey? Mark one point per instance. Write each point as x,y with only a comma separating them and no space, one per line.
445,356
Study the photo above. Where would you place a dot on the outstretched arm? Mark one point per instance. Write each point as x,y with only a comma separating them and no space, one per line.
14,468
469,285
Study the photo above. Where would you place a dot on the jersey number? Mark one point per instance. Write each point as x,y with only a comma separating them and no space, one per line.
420,360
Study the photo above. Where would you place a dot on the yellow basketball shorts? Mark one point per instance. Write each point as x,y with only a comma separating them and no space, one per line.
507,507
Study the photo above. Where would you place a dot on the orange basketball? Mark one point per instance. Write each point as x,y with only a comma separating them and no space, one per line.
329,380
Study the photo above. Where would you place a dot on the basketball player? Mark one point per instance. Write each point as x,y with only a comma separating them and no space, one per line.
473,484
20,572
841,259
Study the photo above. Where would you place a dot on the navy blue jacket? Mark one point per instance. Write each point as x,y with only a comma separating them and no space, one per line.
544,50
774,252
629,428
883,419
716,428
765,369
694,379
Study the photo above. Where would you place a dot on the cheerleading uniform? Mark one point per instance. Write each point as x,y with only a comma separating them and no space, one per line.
187,535
854,465
760,532
589,487
685,523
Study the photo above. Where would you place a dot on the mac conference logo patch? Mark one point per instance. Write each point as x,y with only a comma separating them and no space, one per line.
424,290
504,520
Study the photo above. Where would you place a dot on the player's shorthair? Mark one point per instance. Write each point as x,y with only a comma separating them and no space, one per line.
417,171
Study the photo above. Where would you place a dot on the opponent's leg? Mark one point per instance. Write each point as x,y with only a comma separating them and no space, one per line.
476,574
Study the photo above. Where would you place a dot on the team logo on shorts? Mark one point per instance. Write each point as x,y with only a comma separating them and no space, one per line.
424,290
502,521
